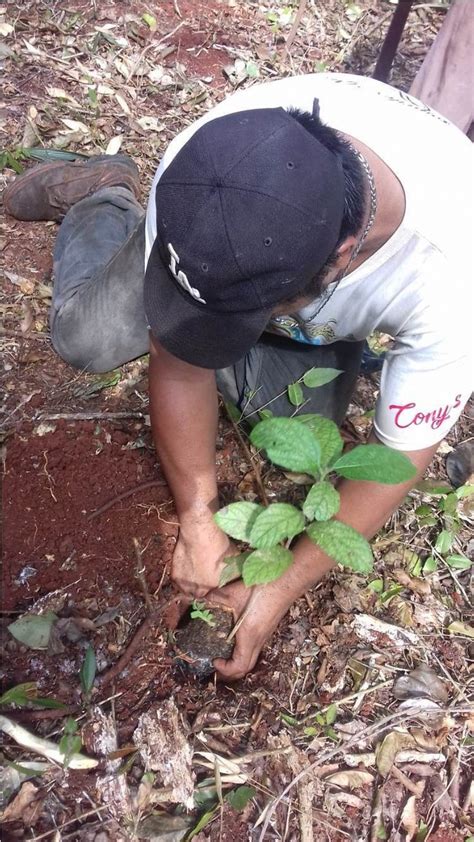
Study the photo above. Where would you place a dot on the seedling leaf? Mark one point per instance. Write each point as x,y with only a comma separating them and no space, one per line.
240,797
288,444
232,569
458,562
264,566
322,502
199,612
273,524
326,434
33,630
444,542
375,463
295,394
320,376
237,519
88,670
343,544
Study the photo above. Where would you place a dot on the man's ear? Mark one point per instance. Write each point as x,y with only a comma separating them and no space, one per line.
344,251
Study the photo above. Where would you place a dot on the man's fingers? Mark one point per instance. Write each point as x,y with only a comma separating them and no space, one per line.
229,670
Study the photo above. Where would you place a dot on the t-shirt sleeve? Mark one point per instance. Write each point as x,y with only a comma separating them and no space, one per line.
427,377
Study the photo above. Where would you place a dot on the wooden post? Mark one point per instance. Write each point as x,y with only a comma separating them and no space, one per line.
445,79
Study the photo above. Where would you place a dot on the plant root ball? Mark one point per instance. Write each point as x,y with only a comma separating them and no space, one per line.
198,643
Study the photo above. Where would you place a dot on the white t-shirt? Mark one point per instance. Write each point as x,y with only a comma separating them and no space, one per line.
418,286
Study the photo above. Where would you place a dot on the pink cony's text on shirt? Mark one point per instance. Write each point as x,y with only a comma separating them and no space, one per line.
406,415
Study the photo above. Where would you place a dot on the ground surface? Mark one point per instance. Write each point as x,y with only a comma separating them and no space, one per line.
85,76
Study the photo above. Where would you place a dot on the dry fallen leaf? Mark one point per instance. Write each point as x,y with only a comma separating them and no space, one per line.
352,778
386,752
422,682
408,818
28,318
114,144
25,807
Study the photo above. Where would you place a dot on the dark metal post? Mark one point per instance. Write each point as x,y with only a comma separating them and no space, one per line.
392,40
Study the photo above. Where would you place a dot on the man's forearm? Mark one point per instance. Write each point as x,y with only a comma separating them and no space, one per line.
183,411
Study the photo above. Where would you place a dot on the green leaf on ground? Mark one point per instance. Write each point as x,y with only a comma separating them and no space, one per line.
342,543
327,435
322,502
240,797
458,562
88,670
430,565
237,519
264,566
444,542
315,377
33,630
24,695
71,742
288,444
232,569
273,524
295,394
375,463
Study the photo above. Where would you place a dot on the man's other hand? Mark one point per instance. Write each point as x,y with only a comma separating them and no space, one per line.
262,607
198,558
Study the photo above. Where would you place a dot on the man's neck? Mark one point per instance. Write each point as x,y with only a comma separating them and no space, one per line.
390,203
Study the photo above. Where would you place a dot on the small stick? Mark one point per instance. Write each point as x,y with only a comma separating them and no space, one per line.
132,647
70,821
253,464
49,713
124,495
294,28
87,416
140,572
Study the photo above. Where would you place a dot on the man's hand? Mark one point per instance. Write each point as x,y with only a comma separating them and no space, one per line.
263,609
198,559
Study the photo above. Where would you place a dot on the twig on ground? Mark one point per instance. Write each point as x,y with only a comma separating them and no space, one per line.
87,416
140,573
132,647
69,822
17,334
124,495
34,715
294,28
252,461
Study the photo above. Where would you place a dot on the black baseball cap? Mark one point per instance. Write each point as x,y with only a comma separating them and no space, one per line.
247,212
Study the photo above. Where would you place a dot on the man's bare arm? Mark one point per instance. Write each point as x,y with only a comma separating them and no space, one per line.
183,410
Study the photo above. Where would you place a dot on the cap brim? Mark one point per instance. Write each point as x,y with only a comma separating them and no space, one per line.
191,332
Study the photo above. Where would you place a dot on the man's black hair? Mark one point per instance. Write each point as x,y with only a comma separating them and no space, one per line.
355,194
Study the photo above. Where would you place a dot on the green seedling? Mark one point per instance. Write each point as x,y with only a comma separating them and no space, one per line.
70,742
446,515
88,672
199,612
323,724
308,444
26,695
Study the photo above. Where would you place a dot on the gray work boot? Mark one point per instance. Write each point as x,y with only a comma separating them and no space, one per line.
49,190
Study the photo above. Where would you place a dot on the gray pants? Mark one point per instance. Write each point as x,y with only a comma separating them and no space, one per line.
98,320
